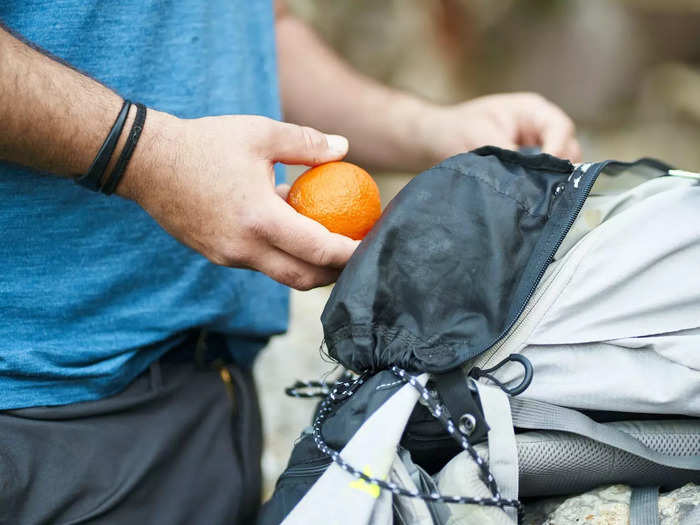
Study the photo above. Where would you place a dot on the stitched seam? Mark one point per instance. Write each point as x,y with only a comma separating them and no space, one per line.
486,182
525,164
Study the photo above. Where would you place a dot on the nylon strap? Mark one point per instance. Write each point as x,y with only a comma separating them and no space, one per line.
531,414
503,450
644,506
460,400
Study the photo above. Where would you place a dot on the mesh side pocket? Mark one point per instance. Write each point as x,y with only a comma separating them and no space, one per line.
554,463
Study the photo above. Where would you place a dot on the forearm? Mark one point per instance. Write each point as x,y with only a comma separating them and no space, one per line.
54,118
209,182
318,89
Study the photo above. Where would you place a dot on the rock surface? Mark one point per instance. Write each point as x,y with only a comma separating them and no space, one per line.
609,505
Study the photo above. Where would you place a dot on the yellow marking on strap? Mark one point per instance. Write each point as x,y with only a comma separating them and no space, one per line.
370,488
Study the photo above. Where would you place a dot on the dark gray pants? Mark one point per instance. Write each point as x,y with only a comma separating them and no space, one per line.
180,445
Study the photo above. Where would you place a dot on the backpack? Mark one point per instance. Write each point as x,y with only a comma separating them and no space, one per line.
514,326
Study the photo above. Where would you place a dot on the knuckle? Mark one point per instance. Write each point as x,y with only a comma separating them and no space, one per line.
227,256
217,258
235,252
255,225
312,139
322,256
297,279
305,284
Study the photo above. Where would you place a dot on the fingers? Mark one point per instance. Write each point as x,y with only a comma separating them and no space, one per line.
292,272
294,144
307,239
540,122
301,252
573,151
555,130
556,136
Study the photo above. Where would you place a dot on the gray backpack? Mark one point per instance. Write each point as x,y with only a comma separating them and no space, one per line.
517,327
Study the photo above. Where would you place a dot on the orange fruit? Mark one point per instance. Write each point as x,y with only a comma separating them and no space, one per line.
341,196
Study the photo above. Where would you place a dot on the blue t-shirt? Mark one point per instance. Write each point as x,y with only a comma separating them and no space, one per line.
92,290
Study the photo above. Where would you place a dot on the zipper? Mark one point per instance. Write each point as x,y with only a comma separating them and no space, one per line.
494,354
583,168
485,359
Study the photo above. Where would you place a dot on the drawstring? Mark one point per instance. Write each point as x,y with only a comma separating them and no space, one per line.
327,407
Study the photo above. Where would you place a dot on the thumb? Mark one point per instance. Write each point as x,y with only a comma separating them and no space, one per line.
292,144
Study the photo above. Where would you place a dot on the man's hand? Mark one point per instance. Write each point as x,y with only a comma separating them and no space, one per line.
392,130
210,183
510,121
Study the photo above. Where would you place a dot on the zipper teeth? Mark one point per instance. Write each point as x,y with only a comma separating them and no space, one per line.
512,330
572,218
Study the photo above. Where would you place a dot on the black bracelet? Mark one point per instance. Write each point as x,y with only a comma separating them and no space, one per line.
93,178
120,167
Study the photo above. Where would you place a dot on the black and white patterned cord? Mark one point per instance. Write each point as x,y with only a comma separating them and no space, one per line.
309,389
338,390
439,413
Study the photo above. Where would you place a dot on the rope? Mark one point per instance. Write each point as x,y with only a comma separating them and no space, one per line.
439,412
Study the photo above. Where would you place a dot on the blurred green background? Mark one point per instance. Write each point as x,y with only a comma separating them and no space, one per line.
628,72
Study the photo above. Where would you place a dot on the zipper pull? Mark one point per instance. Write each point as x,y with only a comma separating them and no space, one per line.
558,190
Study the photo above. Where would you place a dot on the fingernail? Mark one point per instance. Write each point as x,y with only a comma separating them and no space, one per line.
337,144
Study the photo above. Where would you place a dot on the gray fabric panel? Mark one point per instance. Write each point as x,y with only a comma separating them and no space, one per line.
644,506
532,414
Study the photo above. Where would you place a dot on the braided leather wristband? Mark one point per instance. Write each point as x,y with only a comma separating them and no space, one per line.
93,178
120,167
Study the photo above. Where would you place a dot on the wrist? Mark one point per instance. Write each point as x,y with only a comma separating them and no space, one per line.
121,142
154,152
432,131
417,125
